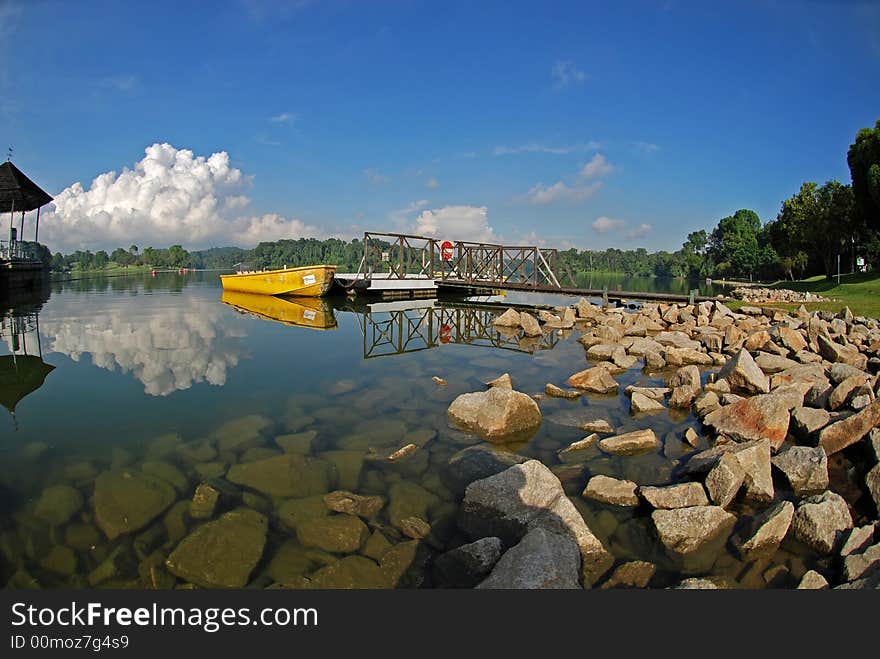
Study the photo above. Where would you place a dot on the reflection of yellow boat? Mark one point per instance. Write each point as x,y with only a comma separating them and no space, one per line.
298,311
308,281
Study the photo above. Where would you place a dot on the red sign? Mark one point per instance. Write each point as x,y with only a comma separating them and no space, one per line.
446,250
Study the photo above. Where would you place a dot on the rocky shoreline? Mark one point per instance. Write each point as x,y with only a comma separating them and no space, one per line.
783,451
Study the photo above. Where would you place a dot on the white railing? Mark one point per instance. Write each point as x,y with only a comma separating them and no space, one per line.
18,250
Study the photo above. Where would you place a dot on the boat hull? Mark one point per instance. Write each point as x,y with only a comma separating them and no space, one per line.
295,311
310,281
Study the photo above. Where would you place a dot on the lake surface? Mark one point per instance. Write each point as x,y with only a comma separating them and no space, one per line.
157,375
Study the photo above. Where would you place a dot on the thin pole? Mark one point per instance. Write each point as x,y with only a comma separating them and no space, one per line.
37,230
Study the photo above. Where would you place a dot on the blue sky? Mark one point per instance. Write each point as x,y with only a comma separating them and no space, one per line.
590,124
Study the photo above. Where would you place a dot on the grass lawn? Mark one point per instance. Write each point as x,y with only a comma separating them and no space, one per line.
859,291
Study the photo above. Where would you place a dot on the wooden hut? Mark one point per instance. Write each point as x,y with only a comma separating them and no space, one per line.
19,194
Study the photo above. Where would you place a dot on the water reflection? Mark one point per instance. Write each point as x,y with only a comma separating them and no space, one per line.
309,312
23,370
167,348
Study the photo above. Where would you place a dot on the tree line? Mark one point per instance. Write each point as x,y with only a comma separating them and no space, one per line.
812,228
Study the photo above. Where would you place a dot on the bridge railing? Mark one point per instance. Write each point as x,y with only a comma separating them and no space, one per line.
399,256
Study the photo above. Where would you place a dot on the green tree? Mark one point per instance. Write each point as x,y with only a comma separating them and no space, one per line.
863,158
735,242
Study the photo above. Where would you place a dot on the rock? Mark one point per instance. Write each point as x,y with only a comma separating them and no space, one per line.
597,425
695,583
343,534
691,437
127,501
686,531
846,389
773,363
791,339
204,502
509,318
754,459
440,382
839,435
238,434
757,417
168,473
496,414
294,511
502,382
365,506
408,499
640,404
641,346
821,520
57,504
606,352
347,465
288,475
805,468
376,546
806,422
856,566
724,480
477,462
414,527
684,356
633,574
676,339
858,540
530,325
527,496
81,537
812,580
572,452
558,392
683,495
654,361
300,442
655,393
221,553
835,352
595,380
60,560
350,573
872,482
467,565
631,443
685,385
542,559
611,491
743,374
765,533
706,404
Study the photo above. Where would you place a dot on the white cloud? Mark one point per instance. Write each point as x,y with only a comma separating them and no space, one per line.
470,223
166,349
639,232
120,83
283,118
170,196
403,216
375,176
605,224
541,195
645,148
537,147
597,167
565,73
432,183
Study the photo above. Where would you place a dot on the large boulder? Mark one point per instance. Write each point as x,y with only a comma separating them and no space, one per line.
839,435
805,468
542,559
821,520
595,380
221,553
758,417
127,501
497,414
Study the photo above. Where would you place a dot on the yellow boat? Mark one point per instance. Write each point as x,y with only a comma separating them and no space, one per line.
308,281
298,311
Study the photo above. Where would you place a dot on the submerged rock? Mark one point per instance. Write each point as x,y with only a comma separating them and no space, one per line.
240,433
634,574
288,475
204,502
222,553
497,414
57,504
127,501
467,565
342,534
477,462
361,505
558,392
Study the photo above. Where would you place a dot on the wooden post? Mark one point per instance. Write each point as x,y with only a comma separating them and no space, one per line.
37,230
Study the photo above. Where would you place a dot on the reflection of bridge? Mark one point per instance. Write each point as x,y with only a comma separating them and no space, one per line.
393,328
396,265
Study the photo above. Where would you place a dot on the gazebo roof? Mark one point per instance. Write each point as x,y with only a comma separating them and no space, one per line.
18,192
20,376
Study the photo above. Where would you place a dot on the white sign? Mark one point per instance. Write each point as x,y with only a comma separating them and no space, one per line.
309,279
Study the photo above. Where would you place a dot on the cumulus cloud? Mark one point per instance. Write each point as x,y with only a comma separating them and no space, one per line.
540,195
470,223
605,224
639,232
565,73
402,216
166,349
375,176
170,196
597,167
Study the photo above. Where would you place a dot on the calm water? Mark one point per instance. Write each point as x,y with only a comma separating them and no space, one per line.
135,360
